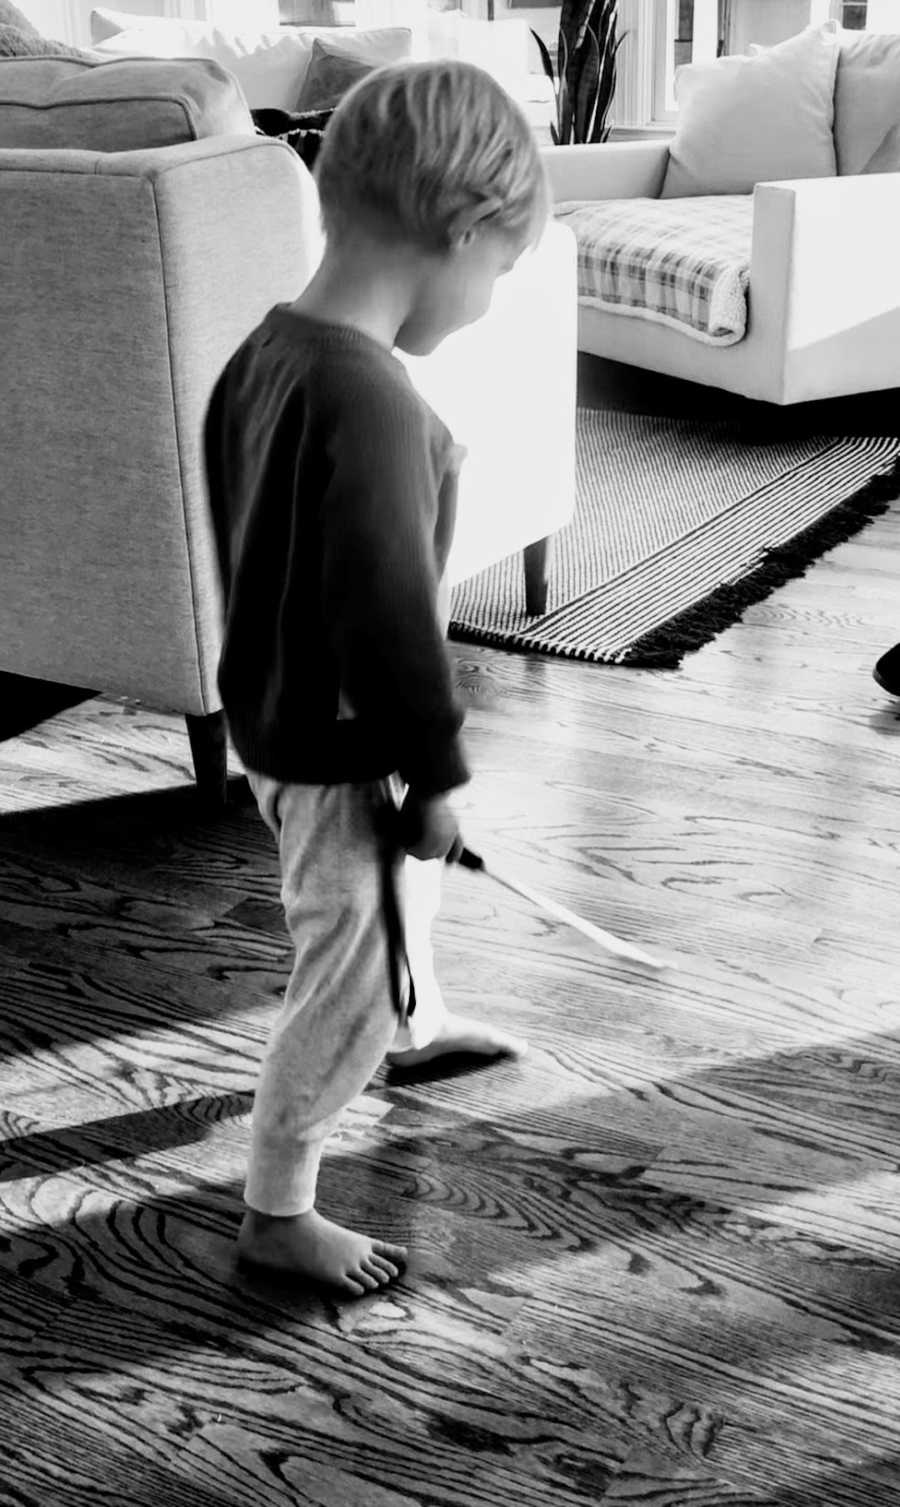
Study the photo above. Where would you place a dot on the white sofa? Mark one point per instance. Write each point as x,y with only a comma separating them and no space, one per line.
270,62
824,270
824,299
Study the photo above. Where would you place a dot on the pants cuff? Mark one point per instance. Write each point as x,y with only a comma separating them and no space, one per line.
283,1185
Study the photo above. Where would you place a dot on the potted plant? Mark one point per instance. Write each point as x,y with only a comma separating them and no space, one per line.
585,77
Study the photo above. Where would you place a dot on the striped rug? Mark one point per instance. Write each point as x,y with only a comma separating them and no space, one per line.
678,527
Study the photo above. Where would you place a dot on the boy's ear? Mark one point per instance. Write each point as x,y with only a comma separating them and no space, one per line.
460,233
464,227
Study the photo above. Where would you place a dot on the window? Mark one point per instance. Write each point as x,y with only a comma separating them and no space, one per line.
687,31
853,15
690,31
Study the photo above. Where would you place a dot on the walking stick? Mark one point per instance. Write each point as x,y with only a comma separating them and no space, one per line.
605,939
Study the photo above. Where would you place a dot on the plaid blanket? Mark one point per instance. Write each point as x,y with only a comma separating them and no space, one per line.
684,262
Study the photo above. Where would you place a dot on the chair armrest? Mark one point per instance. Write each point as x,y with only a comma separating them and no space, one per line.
169,257
613,170
824,282
506,387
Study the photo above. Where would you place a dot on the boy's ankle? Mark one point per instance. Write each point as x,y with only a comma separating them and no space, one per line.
260,1222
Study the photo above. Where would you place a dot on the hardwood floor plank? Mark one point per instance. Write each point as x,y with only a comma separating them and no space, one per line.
655,1261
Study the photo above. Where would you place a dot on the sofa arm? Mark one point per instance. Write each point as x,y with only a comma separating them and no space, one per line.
613,170
824,285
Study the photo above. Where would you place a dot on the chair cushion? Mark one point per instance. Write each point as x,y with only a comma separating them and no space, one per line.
867,103
746,120
116,106
681,262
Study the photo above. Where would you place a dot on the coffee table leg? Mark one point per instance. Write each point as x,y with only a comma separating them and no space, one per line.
537,574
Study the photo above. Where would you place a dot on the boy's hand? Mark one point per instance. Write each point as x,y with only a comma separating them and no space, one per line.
430,828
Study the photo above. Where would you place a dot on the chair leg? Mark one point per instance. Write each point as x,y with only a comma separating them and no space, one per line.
209,750
537,576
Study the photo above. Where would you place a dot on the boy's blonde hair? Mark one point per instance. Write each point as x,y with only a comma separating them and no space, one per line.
425,150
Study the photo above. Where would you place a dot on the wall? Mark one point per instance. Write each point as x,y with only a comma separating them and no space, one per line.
69,20
771,21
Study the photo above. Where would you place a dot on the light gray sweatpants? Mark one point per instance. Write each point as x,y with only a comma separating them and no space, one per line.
339,1017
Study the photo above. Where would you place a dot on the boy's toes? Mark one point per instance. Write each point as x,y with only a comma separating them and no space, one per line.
395,1254
361,1280
379,1266
382,1271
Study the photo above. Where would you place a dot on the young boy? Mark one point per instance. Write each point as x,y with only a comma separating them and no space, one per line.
333,489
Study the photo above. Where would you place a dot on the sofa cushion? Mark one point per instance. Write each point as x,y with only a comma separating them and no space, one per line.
270,66
337,64
116,106
681,262
748,120
867,103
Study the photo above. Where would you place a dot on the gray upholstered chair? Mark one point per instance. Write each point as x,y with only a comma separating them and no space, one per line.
127,277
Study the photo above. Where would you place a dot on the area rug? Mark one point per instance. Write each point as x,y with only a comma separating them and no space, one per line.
679,526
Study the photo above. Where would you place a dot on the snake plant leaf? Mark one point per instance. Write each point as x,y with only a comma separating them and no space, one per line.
569,26
606,91
586,87
545,56
564,107
585,77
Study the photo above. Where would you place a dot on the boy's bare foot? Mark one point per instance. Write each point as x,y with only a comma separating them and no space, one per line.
308,1245
459,1035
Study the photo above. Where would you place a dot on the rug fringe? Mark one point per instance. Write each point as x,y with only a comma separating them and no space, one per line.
664,647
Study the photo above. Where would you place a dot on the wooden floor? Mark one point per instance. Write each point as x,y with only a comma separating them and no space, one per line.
656,1263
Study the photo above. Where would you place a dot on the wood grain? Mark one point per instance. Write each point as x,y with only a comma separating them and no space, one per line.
655,1262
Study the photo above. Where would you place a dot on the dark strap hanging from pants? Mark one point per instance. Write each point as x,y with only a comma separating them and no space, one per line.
391,855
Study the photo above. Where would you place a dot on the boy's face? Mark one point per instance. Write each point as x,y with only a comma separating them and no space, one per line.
458,288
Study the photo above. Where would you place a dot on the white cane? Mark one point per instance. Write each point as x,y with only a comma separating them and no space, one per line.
605,939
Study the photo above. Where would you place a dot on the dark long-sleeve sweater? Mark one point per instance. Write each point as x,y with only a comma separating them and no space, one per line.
333,492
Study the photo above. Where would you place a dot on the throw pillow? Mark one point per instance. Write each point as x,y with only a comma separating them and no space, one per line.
269,66
867,103
336,66
328,78
10,15
15,43
262,15
748,120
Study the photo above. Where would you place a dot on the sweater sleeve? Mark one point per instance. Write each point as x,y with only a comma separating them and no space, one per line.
380,584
